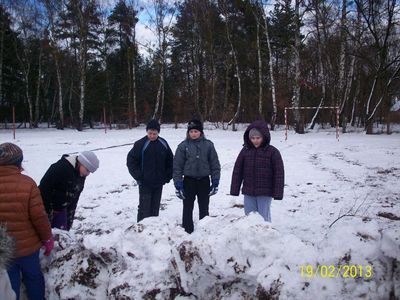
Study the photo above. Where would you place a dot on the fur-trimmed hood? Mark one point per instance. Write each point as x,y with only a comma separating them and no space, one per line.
7,247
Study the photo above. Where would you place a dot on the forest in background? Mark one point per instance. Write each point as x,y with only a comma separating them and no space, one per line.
70,62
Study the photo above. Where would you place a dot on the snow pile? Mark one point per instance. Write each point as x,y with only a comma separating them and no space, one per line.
227,257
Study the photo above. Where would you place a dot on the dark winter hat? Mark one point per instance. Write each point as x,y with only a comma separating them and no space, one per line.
89,160
10,154
254,132
153,124
195,124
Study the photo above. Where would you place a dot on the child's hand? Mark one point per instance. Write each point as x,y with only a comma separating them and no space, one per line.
48,245
213,187
179,192
213,190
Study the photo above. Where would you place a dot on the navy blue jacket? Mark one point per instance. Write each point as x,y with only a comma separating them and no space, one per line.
150,163
61,187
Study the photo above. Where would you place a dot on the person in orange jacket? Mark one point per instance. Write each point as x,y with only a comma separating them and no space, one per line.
22,210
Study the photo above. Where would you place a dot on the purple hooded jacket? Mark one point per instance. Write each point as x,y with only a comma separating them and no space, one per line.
260,169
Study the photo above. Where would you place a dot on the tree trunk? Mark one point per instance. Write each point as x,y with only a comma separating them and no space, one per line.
226,93
238,107
2,32
342,54
159,92
321,69
60,95
130,102
37,104
296,89
29,100
53,109
82,84
350,78
271,72
196,83
260,81
213,86
135,119
71,113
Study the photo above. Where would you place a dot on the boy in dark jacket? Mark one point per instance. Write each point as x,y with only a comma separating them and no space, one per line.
194,162
150,164
62,185
260,167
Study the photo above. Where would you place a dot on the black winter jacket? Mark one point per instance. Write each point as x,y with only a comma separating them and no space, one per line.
150,162
61,187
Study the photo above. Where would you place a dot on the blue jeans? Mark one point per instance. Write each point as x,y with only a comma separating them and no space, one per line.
32,275
260,204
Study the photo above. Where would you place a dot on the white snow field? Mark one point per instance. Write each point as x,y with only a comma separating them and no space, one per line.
107,255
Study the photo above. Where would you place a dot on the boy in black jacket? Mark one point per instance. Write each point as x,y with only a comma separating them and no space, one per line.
62,185
150,164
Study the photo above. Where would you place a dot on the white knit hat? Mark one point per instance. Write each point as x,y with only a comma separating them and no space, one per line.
89,160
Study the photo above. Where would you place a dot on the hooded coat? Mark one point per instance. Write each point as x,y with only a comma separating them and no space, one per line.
259,169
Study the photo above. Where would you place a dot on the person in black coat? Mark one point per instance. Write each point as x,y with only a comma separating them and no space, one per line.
62,185
150,164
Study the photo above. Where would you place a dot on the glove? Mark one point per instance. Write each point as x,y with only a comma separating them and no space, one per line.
179,192
213,187
49,245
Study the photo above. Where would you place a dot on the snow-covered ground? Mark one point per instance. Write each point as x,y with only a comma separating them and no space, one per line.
107,255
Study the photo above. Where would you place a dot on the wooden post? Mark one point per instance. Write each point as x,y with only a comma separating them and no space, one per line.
104,120
286,124
337,123
13,118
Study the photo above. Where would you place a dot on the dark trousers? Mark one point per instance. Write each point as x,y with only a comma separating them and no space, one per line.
32,275
195,187
149,202
59,219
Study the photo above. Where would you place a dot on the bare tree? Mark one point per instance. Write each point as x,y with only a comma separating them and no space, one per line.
223,6
28,19
296,85
380,18
82,15
164,12
321,68
53,9
271,71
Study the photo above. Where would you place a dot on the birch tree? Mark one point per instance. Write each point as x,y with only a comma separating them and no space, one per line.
223,6
28,22
271,69
162,19
297,75
53,10
84,16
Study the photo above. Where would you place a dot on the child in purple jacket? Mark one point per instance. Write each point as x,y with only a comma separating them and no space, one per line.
260,167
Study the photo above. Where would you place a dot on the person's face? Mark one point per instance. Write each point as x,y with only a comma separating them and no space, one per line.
194,134
152,134
83,171
256,141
